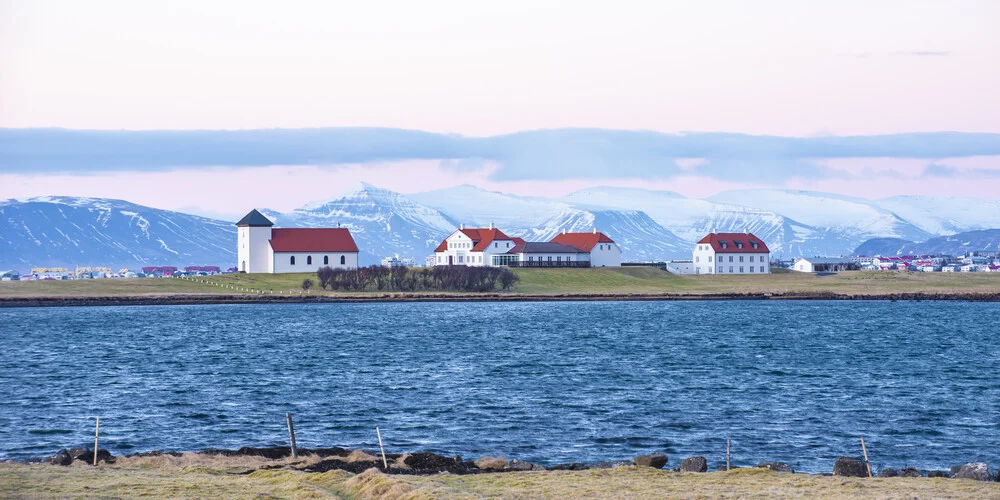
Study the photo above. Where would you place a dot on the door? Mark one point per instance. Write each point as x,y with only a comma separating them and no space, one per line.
450,262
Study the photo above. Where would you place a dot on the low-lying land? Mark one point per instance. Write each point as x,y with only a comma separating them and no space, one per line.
203,476
534,284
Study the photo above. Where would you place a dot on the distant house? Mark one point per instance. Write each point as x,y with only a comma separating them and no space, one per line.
545,254
10,275
731,253
262,249
824,264
604,252
396,261
474,247
680,266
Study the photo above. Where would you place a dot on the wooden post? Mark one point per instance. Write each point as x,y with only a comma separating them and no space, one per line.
384,463
727,455
291,434
97,433
865,451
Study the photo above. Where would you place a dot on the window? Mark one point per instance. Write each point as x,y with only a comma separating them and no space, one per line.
751,258
309,260
730,268
751,269
697,259
291,260
753,244
550,258
723,244
761,268
710,258
326,259
531,258
741,258
720,269
496,244
730,260
508,244
343,259
741,269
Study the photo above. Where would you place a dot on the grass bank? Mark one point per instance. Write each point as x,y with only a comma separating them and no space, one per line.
546,282
179,478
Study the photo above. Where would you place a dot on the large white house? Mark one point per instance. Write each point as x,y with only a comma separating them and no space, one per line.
263,249
604,252
474,247
731,253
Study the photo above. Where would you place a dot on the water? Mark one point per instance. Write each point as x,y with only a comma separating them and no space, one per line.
545,382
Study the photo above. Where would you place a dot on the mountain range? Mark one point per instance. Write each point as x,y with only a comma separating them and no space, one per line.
648,225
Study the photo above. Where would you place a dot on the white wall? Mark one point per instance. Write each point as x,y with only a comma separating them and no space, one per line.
282,261
606,255
803,266
706,261
460,250
252,249
680,267
544,257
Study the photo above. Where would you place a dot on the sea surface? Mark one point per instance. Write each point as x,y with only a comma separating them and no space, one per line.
556,382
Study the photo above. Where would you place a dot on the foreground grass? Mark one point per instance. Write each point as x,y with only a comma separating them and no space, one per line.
232,481
606,281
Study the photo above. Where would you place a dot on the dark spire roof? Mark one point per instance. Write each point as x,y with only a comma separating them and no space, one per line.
255,219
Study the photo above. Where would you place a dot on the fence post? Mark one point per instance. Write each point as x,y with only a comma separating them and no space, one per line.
291,434
865,451
97,432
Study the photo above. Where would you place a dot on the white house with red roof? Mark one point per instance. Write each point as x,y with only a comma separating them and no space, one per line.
731,253
475,247
604,252
264,249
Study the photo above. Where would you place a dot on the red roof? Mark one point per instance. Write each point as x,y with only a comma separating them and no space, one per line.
481,238
730,240
312,240
583,241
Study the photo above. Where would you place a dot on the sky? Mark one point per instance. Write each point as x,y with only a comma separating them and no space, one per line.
487,69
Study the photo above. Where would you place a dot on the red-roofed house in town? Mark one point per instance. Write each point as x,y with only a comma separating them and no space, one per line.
474,247
263,249
731,253
604,252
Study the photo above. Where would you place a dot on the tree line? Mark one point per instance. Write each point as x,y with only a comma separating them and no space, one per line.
403,279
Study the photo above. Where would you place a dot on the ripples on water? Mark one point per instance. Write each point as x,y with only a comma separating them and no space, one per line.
545,382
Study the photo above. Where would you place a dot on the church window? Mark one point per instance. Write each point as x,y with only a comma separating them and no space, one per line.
343,260
291,260
309,260
326,259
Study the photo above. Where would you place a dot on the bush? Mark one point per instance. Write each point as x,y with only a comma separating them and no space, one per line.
402,279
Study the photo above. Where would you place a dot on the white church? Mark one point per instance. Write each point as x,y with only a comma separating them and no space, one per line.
264,249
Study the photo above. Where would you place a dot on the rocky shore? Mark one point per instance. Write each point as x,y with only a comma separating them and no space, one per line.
425,463
181,299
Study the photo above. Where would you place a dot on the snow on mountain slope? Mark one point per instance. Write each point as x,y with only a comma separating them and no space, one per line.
383,222
955,244
852,217
61,231
944,215
639,237
473,206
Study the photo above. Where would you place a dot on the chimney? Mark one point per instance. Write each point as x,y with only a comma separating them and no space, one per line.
564,230
745,231
491,225
461,226
595,230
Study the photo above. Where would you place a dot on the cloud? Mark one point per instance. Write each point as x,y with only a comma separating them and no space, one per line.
924,53
542,155
946,172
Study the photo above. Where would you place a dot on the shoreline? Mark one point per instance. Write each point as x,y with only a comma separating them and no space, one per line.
197,299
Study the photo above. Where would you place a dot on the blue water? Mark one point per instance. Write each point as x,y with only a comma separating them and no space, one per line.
545,382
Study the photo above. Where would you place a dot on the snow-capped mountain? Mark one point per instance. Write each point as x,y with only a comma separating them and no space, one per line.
944,215
955,244
60,231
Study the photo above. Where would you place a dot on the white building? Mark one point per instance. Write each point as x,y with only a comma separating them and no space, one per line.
604,252
824,264
544,254
396,261
731,253
473,247
680,267
262,249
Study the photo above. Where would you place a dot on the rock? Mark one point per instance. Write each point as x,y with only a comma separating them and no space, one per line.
887,472
458,459
102,456
975,470
938,473
492,463
655,460
910,472
775,466
572,466
954,470
694,464
611,465
518,465
722,468
75,453
62,457
428,460
850,467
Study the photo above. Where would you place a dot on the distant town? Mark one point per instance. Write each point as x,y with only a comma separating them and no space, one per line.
261,248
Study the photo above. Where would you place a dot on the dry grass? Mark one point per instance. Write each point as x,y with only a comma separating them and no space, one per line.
226,477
